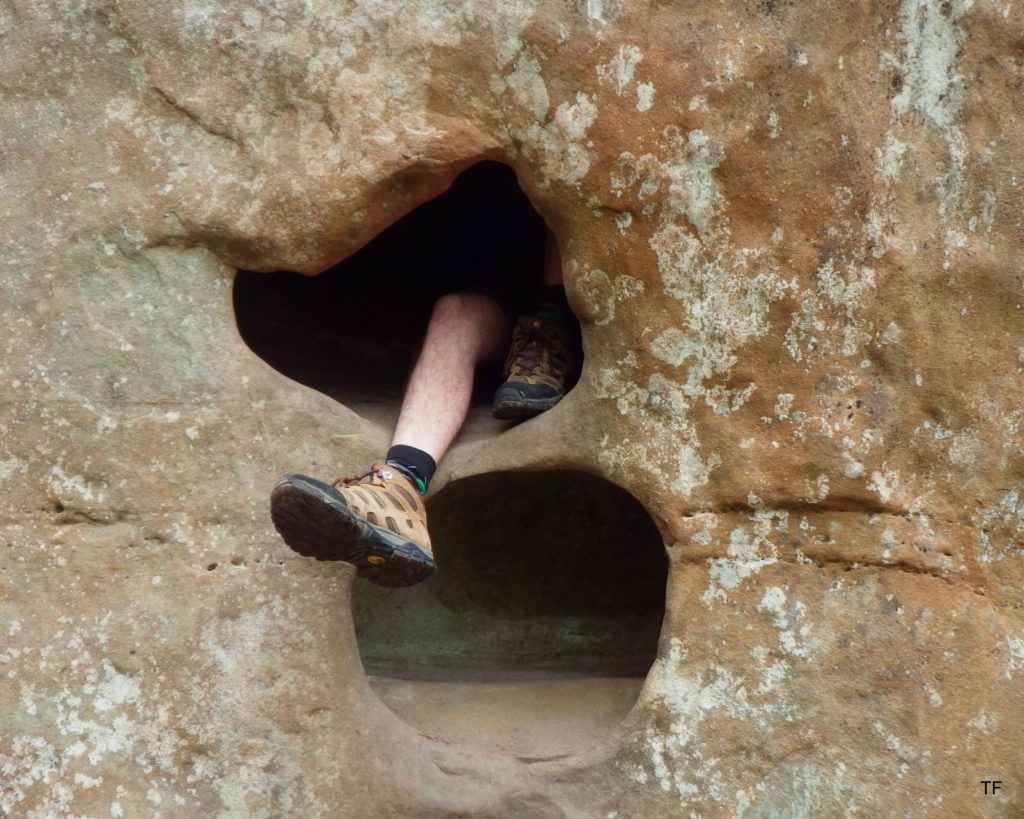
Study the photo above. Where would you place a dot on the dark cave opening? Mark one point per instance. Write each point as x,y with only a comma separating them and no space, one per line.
536,634
554,573
354,330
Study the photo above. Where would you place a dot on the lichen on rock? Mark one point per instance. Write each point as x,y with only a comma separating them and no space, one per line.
792,234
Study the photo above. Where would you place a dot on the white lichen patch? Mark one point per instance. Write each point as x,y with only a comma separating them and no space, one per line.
604,11
558,145
933,92
81,488
819,489
723,311
725,575
984,721
644,96
115,689
773,673
679,755
890,158
687,165
86,781
727,400
636,175
724,293
1007,519
660,408
784,405
29,761
793,633
726,306
619,71
601,294
966,449
11,467
893,743
506,28
235,651
746,555
101,717
526,86
932,87
673,346
692,700
884,484
848,290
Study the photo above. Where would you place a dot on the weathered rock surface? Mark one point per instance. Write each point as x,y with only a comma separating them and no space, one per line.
792,233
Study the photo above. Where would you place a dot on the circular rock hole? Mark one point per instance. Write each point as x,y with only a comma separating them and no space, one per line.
354,330
543,619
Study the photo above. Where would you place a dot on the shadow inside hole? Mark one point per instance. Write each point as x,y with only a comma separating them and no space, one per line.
355,329
543,619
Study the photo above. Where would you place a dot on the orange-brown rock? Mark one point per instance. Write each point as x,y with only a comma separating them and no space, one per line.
792,233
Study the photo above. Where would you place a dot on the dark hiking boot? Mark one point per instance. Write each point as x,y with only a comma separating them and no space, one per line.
536,370
376,522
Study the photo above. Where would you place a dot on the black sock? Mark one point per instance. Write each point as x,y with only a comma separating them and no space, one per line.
553,305
414,463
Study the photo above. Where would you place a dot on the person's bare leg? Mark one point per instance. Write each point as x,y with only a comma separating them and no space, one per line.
376,521
465,329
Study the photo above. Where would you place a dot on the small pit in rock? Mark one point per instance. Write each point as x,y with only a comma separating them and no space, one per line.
543,619
353,331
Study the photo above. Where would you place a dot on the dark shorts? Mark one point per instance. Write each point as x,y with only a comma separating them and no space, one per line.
481,236
512,288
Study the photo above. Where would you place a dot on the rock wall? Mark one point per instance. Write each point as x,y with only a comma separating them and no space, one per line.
792,234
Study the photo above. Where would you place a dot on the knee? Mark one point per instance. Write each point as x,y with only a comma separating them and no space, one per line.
463,308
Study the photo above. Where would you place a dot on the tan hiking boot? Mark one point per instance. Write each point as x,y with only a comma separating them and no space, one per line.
377,522
538,365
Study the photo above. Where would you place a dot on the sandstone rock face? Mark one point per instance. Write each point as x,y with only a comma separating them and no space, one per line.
792,233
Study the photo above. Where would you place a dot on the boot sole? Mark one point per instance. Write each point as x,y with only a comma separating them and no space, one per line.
519,409
313,518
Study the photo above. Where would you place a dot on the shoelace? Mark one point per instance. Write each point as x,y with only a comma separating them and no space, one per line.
534,351
352,481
